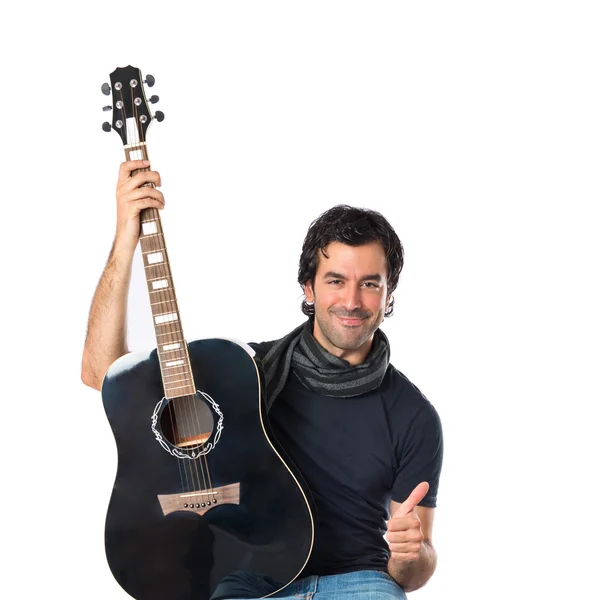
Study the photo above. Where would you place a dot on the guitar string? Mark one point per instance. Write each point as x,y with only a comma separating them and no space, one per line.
202,458
176,413
191,399
205,458
167,296
191,411
182,416
192,406
183,412
139,146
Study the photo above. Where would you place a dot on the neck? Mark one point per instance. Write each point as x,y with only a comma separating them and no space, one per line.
171,346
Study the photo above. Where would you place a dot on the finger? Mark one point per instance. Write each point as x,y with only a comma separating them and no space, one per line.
128,166
139,205
141,178
414,534
415,497
144,192
405,547
410,521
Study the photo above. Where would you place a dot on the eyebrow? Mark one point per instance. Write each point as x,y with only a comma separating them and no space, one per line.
334,275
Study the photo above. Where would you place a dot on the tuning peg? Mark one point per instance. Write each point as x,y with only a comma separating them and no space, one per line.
105,108
149,80
105,89
106,126
154,99
159,115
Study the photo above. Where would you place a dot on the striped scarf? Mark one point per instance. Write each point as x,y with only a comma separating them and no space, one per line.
319,370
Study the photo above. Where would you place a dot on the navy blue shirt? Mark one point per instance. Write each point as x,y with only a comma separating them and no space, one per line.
355,455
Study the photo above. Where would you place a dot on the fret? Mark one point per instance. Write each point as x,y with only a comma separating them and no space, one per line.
172,347
170,332
158,272
153,245
178,381
166,359
174,364
162,302
174,375
165,318
181,386
169,305
154,242
149,227
155,258
183,356
159,267
175,338
183,365
180,365
189,386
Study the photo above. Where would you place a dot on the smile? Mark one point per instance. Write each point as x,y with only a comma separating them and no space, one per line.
350,321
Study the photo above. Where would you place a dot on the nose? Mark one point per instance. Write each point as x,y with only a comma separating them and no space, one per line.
351,299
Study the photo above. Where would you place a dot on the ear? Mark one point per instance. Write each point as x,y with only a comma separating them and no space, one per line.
309,292
388,302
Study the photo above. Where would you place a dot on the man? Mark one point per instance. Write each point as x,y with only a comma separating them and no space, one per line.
366,440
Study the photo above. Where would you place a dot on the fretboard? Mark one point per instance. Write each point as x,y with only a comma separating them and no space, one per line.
171,345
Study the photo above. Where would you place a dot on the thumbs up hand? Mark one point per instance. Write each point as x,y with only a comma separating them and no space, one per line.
404,527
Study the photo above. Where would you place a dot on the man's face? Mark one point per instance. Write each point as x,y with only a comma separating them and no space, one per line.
349,295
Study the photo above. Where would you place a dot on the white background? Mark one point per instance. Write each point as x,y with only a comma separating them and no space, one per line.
473,126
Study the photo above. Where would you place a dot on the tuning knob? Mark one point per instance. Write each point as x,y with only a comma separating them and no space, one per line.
106,126
105,108
159,115
105,89
149,80
154,99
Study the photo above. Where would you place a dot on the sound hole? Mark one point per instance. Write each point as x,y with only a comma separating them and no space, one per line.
187,421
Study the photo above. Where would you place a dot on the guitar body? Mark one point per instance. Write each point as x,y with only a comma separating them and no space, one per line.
162,542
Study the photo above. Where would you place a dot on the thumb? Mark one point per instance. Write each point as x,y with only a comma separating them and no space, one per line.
415,497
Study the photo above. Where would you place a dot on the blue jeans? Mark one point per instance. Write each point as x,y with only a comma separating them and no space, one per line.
359,585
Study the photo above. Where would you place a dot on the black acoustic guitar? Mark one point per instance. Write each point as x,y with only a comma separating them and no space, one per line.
203,493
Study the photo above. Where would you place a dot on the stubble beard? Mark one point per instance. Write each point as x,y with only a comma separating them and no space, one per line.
345,337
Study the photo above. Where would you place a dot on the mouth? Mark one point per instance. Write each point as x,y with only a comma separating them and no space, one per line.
350,321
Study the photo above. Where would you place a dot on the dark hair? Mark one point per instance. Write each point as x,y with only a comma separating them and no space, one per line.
354,227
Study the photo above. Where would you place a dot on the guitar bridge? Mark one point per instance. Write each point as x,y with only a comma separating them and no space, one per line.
200,501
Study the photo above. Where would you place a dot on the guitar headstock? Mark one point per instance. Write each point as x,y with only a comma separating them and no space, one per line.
131,112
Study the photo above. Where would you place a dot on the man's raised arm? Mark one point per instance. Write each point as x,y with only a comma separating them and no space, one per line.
105,339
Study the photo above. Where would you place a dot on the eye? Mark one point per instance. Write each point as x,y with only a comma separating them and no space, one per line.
334,281
372,284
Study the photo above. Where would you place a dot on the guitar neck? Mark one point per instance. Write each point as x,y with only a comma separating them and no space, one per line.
172,349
